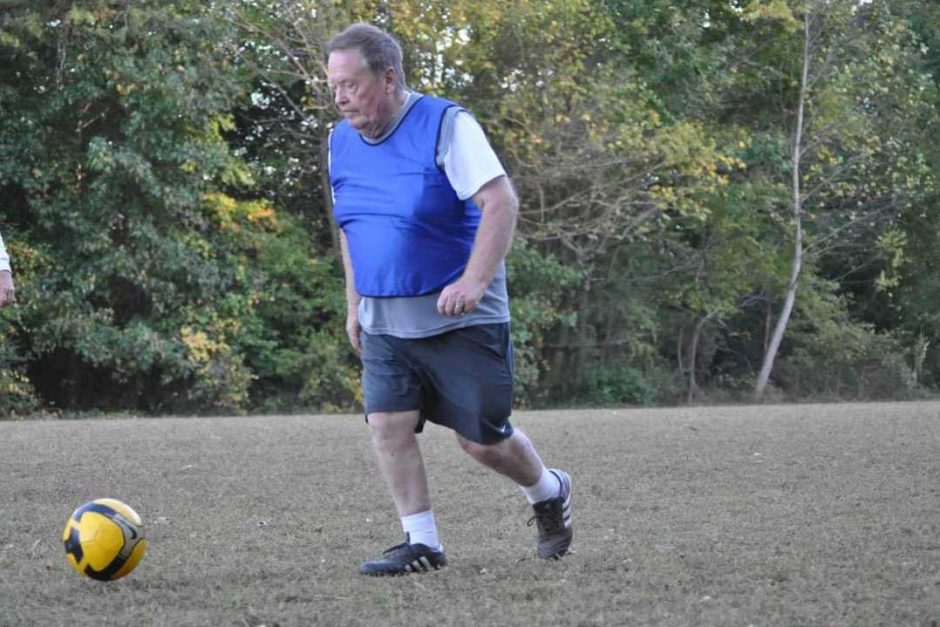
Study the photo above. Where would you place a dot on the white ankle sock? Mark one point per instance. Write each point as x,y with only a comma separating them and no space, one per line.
547,487
420,528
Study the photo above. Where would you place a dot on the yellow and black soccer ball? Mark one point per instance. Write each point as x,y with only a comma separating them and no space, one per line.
104,539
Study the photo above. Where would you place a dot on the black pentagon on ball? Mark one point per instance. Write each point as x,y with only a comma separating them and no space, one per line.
98,508
73,546
108,573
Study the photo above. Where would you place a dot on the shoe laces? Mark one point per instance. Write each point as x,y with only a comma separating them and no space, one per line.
549,516
398,548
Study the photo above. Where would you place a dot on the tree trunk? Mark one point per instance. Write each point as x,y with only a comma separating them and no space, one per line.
680,358
783,319
693,356
557,371
578,375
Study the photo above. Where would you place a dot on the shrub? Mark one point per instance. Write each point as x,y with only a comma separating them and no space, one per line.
846,360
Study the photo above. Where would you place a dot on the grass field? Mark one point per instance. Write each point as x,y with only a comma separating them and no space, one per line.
771,515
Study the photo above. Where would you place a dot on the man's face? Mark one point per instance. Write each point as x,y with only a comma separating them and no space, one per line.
365,100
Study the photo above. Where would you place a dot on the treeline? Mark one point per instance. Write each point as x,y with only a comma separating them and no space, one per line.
720,199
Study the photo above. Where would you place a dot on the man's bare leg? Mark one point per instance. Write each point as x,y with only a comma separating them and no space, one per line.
549,491
514,457
400,461
402,466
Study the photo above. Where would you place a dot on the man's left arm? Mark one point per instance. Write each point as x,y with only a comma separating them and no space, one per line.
499,205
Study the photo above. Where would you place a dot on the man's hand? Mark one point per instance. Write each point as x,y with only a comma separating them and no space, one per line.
460,297
499,205
6,288
353,329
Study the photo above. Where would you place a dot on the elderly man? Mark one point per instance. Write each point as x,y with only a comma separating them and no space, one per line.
427,216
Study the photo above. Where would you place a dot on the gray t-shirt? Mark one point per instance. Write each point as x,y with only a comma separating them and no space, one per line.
417,316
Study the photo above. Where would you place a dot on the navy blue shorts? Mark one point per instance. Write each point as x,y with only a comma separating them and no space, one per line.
461,379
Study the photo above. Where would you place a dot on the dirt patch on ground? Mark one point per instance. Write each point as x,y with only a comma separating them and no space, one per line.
770,515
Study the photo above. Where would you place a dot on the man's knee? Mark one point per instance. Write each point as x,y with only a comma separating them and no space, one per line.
392,426
482,452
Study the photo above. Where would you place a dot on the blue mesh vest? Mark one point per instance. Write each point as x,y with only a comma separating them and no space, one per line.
408,233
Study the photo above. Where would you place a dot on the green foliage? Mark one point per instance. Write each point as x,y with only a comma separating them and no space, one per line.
831,356
17,396
846,360
153,281
536,313
612,385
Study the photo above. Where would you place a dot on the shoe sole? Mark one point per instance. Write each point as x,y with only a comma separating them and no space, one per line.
418,566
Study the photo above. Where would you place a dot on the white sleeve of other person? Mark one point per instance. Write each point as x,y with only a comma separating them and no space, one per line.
4,257
469,160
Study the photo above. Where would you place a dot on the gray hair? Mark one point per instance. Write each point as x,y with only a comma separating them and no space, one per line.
379,49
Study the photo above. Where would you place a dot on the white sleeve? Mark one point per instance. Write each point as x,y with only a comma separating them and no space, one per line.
469,160
4,257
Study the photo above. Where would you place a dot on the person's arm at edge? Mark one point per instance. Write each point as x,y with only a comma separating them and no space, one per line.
500,207
7,296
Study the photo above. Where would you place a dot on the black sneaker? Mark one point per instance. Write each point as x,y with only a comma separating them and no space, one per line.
403,559
553,518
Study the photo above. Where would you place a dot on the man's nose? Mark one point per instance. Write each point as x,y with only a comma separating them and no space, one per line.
339,97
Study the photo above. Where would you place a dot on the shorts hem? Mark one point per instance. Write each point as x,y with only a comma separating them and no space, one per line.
417,335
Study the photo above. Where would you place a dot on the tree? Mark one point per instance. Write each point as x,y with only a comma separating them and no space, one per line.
840,164
149,271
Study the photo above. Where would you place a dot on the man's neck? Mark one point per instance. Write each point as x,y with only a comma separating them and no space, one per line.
397,103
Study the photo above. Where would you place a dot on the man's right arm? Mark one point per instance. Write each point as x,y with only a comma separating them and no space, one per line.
352,296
